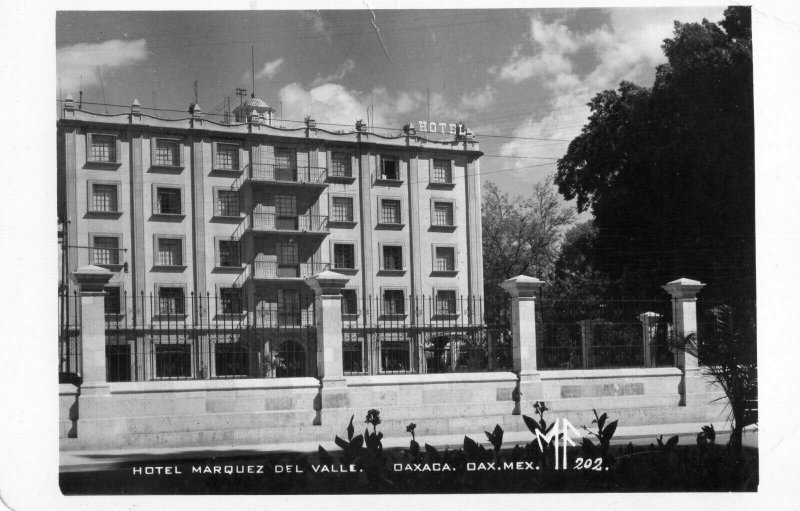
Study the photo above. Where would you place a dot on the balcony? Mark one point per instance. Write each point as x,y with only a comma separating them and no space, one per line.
272,270
261,222
289,176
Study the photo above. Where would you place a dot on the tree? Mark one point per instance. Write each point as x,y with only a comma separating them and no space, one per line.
521,236
668,171
574,275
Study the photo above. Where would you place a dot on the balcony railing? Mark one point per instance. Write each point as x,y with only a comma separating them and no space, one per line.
271,222
272,173
275,270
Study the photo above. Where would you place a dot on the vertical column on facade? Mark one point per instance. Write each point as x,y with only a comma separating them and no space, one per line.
649,326
415,249
522,290
137,264
90,280
327,287
474,235
684,317
71,187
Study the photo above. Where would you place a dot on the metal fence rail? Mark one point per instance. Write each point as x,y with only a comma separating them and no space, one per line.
207,337
418,334
271,172
69,330
574,334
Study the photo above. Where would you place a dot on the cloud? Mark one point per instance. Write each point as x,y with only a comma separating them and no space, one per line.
270,69
343,69
83,59
333,103
477,100
317,22
627,47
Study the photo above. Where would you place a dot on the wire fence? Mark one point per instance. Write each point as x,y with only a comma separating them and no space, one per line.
579,334
169,336
396,334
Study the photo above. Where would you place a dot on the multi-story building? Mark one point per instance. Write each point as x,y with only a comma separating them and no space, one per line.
204,222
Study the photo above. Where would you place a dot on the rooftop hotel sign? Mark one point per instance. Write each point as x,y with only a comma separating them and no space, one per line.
444,128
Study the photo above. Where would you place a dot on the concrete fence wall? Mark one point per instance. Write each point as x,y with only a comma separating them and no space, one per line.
258,411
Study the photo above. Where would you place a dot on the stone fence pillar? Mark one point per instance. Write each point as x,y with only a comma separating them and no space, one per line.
91,280
522,290
328,287
684,318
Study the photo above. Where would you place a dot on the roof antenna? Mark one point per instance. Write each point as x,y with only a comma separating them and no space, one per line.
102,88
80,96
253,70
195,92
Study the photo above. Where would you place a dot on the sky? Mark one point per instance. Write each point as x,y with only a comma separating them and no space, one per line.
519,78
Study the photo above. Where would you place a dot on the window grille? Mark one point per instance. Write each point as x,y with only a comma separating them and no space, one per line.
340,165
170,252
227,203
171,301
103,148
442,171
111,302
168,201
230,300
168,152
105,250
445,259
344,256
229,253
283,159
393,302
227,156
349,301
443,213
446,302
390,211
392,257
342,209
104,198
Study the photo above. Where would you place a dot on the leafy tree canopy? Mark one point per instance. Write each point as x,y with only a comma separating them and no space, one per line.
668,171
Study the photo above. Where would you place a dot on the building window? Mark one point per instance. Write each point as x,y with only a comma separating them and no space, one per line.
393,302
442,171
349,301
341,209
168,201
104,198
169,252
443,214
390,211
392,257
445,259
344,256
103,148
227,203
227,157
283,158
171,301
231,359
112,301
167,153
289,313
446,302
173,360
105,250
230,300
340,165
390,169
229,253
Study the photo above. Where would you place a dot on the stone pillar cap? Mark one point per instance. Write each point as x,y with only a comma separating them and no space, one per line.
683,288
521,286
327,282
647,315
92,278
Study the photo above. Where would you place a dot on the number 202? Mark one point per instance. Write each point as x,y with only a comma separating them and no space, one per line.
589,464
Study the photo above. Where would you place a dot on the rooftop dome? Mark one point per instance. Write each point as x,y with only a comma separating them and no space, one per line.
242,112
